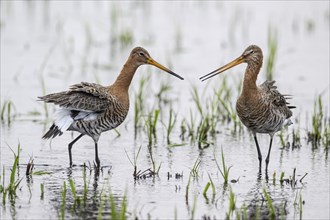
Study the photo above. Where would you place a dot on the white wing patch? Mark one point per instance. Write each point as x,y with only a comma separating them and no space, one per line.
63,119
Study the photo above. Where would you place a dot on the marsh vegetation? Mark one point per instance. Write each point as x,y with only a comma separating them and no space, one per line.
182,152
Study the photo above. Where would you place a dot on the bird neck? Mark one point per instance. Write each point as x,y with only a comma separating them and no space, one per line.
250,78
125,77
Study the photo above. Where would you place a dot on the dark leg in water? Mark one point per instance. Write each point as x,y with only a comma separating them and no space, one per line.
97,160
259,153
268,155
70,147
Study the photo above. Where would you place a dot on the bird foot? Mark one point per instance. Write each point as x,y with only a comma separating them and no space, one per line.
97,165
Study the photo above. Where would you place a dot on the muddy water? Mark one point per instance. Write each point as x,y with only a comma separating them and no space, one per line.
65,43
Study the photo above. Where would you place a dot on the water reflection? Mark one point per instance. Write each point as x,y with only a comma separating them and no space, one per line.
266,201
87,192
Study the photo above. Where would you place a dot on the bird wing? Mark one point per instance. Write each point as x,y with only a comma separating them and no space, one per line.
273,97
88,97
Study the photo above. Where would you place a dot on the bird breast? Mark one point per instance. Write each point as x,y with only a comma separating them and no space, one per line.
259,116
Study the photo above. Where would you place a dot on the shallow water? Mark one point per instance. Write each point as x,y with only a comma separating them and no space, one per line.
66,43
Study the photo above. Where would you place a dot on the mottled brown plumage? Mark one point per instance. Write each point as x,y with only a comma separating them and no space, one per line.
262,109
92,109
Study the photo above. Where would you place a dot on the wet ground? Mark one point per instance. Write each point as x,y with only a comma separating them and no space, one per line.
45,47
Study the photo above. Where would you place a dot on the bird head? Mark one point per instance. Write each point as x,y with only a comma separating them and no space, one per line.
251,55
141,57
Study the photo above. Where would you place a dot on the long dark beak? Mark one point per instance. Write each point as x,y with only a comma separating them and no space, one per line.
233,63
154,63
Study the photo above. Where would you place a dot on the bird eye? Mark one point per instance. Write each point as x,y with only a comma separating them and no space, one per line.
141,54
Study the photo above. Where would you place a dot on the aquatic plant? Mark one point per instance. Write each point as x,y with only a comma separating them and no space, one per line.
310,25
283,212
183,129
193,210
63,202
8,112
224,170
188,126
284,142
242,213
134,163
300,207
42,191
151,125
85,184
230,114
187,189
29,167
292,179
154,170
212,185
150,172
224,106
126,38
137,116
202,133
41,172
272,52
270,206
119,213
161,95
74,193
101,205
318,123
171,123
14,183
282,178
3,184
208,184
296,139
195,169
3,190
196,99
232,204
139,103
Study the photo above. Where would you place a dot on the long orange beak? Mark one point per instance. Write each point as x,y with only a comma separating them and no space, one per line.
233,63
154,63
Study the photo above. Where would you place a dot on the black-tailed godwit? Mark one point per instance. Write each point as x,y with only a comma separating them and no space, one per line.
92,109
262,109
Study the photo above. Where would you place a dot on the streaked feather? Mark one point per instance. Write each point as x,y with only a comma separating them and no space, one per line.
84,96
266,114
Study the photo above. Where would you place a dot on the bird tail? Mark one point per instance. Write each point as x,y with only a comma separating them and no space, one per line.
287,103
52,132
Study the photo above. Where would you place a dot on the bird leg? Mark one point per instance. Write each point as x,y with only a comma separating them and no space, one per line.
97,160
70,147
259,153
270,147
